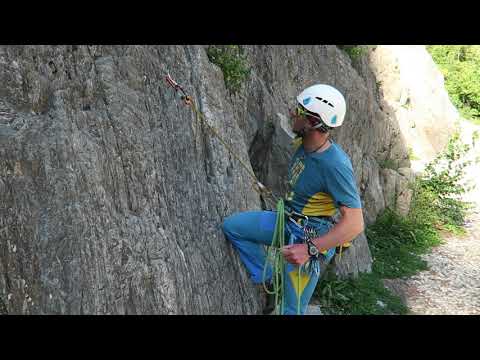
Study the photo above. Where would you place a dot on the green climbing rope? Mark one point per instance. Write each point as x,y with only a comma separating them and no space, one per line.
275,257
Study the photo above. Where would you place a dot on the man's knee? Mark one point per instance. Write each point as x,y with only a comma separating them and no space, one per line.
227,225
234,226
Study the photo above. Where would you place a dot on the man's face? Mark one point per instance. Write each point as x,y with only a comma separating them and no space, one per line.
300,123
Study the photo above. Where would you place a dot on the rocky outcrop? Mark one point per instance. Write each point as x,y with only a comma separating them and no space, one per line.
413,101
412,89
397,189
112,194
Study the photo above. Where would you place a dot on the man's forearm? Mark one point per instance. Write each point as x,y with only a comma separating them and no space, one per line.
345,231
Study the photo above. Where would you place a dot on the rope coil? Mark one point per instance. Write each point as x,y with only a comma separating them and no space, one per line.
275,257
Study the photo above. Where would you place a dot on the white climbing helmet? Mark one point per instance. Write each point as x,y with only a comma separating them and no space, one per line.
324,101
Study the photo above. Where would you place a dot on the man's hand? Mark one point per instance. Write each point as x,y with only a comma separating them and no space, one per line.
296,254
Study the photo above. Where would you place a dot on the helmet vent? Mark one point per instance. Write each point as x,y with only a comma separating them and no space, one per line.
325,101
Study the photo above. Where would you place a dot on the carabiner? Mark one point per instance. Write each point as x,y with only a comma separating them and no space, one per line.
176,86
187,100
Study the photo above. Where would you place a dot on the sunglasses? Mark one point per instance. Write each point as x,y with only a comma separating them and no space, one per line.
300,111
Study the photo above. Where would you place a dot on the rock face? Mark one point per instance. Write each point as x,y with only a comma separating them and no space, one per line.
413,89
111,197
112,194
412,96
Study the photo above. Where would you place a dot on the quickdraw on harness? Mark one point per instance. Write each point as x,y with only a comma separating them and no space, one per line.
266,194
310,232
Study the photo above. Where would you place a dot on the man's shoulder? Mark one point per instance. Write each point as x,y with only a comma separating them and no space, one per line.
339,150
335,160
341,156
334,155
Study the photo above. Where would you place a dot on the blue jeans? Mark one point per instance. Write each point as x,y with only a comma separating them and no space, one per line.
250,231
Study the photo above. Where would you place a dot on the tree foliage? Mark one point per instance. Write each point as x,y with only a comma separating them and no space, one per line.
460,65
233,63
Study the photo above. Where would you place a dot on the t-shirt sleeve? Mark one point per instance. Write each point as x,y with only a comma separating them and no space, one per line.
342,185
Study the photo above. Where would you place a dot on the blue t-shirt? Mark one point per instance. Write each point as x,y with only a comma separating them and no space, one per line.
319,183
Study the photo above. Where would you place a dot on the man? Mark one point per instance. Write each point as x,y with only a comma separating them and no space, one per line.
321,181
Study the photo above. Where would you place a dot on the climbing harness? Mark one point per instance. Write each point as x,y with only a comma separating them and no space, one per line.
263,191
311,232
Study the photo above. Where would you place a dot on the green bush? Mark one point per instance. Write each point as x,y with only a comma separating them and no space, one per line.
441,186
460,65
233,63
411,155
396,242
389,164
365,295
355,52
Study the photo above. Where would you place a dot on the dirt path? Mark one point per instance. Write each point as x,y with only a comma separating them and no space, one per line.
452,283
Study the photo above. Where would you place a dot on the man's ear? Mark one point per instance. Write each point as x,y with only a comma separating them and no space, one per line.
309,124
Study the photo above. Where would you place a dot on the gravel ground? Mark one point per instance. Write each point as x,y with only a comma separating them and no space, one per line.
452,283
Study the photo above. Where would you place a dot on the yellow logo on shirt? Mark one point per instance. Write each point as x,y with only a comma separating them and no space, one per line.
297,169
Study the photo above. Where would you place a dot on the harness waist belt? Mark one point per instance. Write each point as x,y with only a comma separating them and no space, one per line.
297,217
